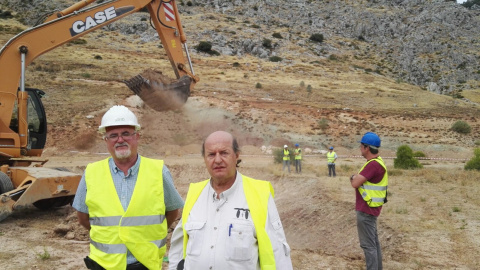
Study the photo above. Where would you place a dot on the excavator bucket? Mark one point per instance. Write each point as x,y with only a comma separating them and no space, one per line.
160,92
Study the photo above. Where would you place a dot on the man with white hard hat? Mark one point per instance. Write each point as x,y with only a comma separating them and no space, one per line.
126,201
370,186
286,158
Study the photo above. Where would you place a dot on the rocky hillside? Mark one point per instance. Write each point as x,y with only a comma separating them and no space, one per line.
433,44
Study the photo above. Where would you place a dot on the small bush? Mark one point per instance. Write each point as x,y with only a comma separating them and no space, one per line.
323,124
275,59
189,3
267,43
78,41
474,163
277,35
316,38
309,88
302,84
405,159
258,85
45,255
204,46
98,57
236,64
419,154
461,127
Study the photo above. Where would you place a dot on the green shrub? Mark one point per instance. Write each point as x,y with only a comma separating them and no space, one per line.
474,163
323,124
309,88
277,35
204,46
258,85
461,127
267,43
302,84
236,64
316,38
405,159
275,59
419,154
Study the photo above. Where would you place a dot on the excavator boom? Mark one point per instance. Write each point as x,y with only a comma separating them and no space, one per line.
20,139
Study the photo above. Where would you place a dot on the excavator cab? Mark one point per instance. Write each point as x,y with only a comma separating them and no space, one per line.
37,121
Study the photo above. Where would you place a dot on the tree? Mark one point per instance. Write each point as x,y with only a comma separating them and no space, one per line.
405,159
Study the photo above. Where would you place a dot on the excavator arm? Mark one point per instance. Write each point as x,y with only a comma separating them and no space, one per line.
158,91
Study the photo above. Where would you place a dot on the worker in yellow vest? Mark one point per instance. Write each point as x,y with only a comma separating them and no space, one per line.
126,201
331,158
286,158
229,221
298,158
370,186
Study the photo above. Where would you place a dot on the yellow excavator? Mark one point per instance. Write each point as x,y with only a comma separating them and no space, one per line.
23,124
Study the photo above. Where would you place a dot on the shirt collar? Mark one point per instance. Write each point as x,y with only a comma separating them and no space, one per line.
229,192
132,170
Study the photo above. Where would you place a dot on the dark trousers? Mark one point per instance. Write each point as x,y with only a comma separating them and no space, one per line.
331,169
368,236
298,165
93,265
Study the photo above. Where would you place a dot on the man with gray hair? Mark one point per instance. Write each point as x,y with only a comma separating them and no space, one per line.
126,201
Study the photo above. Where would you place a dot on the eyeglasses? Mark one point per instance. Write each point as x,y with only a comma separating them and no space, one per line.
125,135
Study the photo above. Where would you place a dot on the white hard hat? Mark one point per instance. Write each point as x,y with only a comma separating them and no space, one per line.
285,146
118,115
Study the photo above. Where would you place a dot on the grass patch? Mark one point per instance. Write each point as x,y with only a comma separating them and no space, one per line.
45,255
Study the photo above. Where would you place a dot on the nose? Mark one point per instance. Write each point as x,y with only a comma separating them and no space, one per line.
217,158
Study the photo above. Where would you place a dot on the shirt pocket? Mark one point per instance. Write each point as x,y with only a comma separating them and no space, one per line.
240,242
195,237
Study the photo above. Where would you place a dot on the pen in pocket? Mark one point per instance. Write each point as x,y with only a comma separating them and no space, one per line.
230,229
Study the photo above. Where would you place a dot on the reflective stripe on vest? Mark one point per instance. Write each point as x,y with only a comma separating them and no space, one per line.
375,194
257,194
298,151
286,154
141,230
330,157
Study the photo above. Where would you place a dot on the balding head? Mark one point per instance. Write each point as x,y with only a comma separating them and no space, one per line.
221,136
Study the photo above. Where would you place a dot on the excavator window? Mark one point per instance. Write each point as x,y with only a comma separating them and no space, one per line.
37,123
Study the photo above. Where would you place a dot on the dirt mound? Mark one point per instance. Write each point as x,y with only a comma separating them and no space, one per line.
69,228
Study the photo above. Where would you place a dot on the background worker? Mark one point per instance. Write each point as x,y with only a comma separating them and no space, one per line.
126,201
331,158
229,221
286,158
298,158
370,186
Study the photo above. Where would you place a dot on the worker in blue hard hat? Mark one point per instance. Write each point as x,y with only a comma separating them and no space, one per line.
370,186
298,158
331,158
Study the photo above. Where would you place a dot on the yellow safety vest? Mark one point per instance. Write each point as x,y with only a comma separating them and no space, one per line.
375,194
142,228
299,152
286,154
257,193
331,157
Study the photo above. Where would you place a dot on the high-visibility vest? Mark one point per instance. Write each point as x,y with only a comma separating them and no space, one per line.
299,152
331,157
142,228
375,194
286,154
257,194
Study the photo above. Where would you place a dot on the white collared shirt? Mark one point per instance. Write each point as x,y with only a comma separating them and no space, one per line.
222,234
